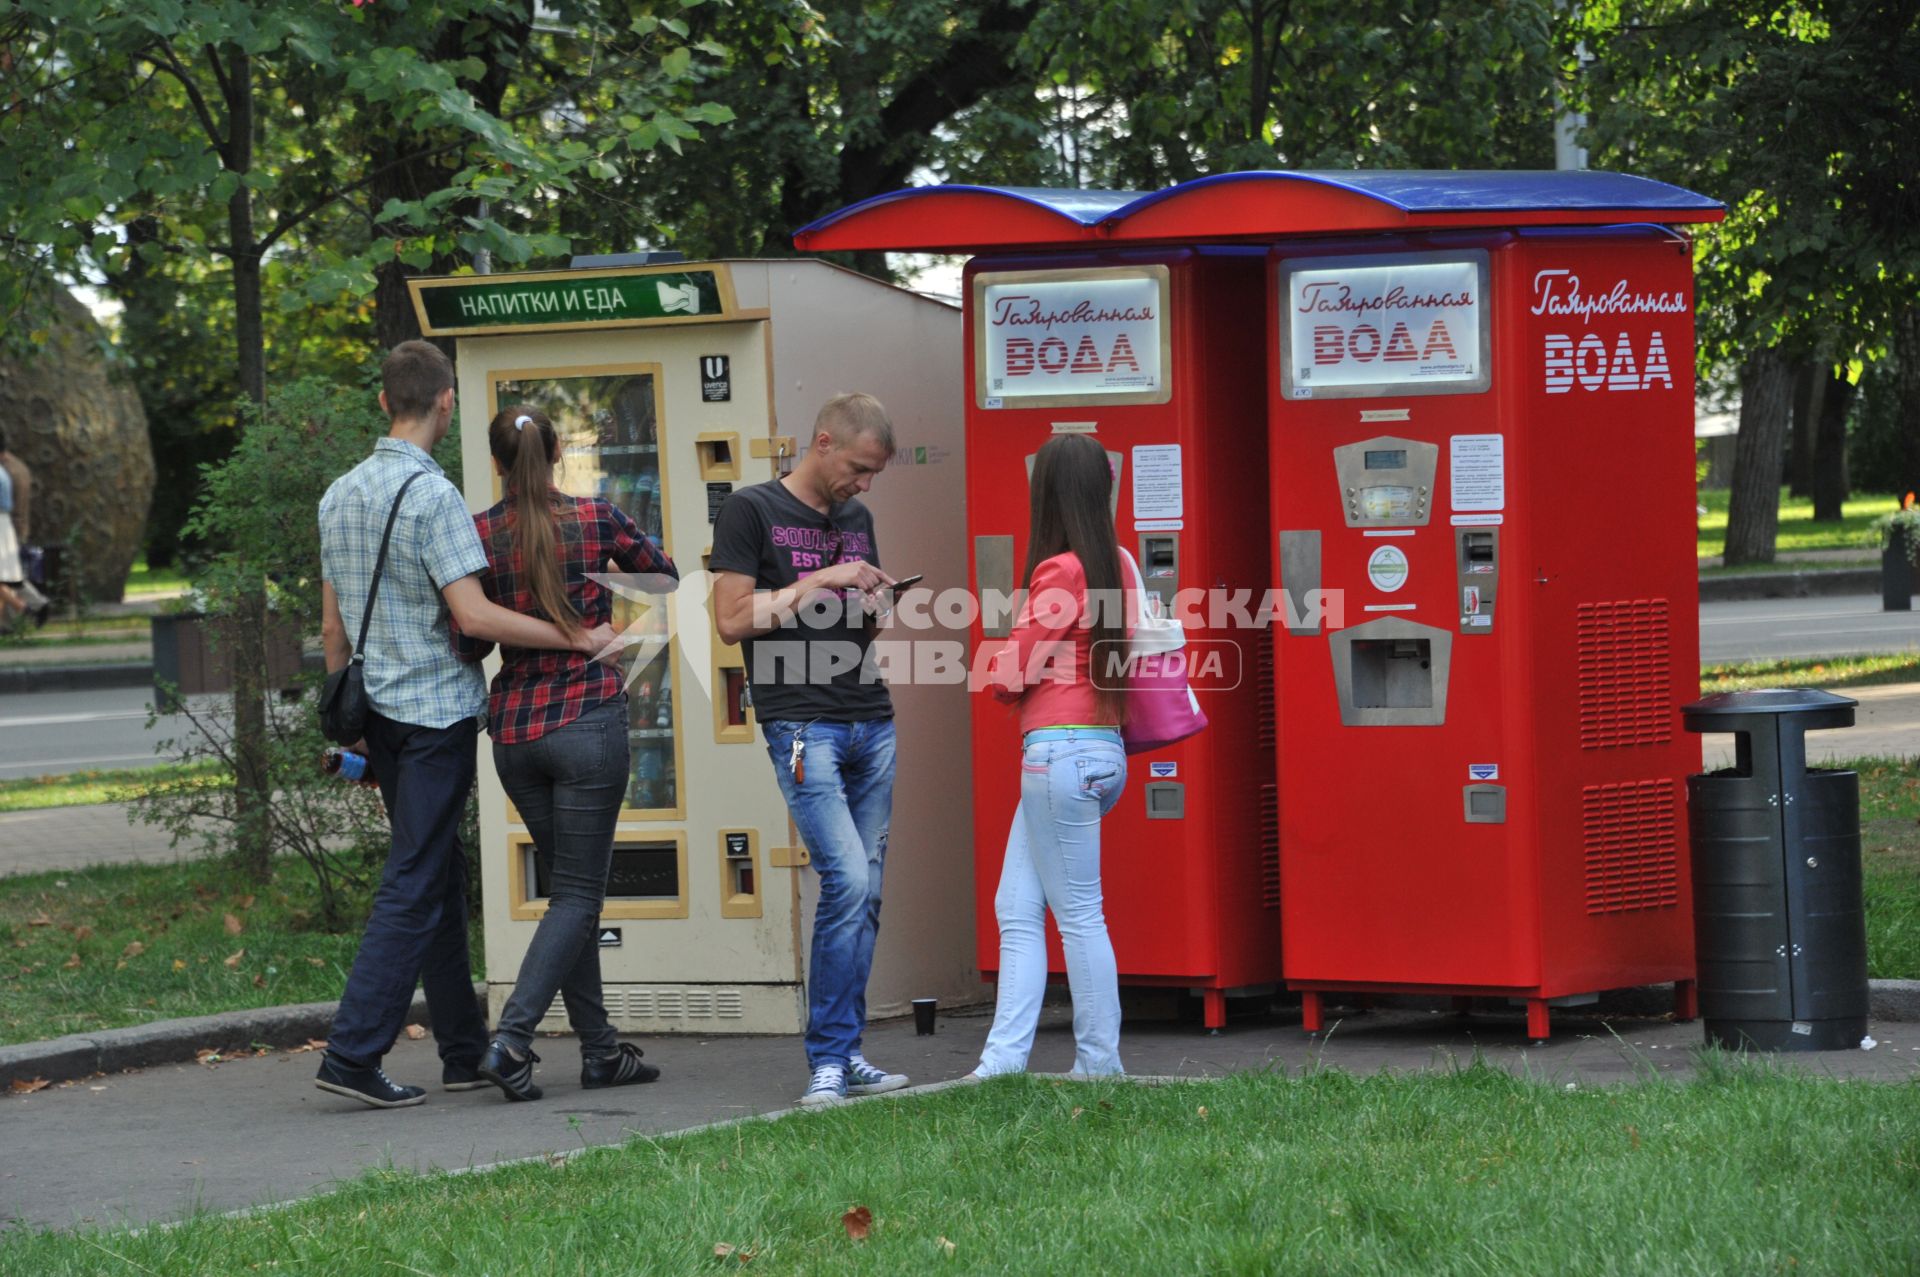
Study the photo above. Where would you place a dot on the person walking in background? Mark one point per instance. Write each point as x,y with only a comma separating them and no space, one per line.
827,716
421,734
1073,764
559,727
18,597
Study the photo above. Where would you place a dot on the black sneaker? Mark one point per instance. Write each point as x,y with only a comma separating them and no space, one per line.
460,1075
622,1068
366,1083
512,1074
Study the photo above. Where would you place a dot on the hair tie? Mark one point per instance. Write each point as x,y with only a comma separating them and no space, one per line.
522,421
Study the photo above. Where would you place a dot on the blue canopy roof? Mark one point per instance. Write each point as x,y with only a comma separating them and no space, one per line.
1252,205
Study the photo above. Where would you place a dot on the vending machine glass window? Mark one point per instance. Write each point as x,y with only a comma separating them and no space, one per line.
608,422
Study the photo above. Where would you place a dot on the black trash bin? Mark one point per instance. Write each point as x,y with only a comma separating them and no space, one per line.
1780,932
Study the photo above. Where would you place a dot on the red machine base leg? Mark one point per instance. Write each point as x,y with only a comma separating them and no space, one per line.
1686,1000
1537,1019
1216,1008
1311,1018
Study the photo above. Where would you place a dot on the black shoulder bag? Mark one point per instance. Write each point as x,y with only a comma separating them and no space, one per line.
343,698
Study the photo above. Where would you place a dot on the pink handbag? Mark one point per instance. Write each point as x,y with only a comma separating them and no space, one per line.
1161,707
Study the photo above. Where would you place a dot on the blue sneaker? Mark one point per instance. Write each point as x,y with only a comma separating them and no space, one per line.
829,1086
865,1079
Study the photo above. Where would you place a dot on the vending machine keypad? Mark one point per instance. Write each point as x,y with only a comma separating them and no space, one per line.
1386,482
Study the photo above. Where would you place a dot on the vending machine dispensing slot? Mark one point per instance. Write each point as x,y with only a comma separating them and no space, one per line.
1391,673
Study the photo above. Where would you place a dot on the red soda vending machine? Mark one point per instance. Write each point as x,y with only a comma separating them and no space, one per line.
1156,353
1482,447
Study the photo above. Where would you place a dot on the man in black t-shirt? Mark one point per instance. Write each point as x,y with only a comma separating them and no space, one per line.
797,583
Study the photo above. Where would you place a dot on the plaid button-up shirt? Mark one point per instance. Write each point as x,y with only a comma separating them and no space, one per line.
412,674
537,691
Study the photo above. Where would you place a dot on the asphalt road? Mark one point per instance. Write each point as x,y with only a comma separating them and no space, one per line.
55,732
1760,629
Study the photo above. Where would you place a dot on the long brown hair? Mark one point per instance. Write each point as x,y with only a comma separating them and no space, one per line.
523,442
1071,510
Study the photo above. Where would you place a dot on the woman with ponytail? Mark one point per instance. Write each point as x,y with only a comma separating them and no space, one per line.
559,727
1072,765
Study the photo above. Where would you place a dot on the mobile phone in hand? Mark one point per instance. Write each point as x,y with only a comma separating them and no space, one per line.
907,582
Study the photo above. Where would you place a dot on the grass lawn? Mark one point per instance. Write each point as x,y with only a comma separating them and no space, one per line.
145,580
1798,531
1472,1172
127,944
83,789
1823,672
1890,863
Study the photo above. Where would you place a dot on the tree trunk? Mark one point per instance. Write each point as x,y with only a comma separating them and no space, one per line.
1807,383
1753,507
252,786
1906,356
1830,448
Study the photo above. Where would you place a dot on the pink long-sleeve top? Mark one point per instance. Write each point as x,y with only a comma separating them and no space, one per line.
1044,664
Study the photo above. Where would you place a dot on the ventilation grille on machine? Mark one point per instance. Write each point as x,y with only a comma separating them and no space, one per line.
1632,853
1269,713
1625,674
636,1003
1270,846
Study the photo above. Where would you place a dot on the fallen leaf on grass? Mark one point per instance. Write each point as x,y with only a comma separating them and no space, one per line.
946,1247
208,1055
133,950
1077,1111
727,1250
232,924
1203,1112
83,933
246,903
179,964
40,920
858,1222
1633,1134
72,963
28,1085
415,1032
259,982
232,962
318,962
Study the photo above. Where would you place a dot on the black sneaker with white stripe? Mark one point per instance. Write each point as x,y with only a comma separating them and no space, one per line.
366,1083
510,1071
622,1068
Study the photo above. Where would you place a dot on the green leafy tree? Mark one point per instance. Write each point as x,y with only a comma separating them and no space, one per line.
1800,116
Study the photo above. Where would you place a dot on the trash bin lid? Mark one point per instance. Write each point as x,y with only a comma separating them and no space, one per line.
1731,711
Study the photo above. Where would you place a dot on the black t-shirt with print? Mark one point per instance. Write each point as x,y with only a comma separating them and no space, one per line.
819,664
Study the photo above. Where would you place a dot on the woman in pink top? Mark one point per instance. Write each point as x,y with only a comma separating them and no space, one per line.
1072,763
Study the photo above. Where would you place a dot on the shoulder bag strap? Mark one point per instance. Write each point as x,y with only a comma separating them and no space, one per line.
379,564
1140,616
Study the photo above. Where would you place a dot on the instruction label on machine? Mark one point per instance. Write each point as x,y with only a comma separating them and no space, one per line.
1156,482
1477,472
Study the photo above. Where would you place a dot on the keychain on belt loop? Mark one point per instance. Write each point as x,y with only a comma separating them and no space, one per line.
796,760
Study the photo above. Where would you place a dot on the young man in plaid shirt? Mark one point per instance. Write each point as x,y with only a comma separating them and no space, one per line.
421,734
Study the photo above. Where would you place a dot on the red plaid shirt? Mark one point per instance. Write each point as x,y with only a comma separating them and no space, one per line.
539,690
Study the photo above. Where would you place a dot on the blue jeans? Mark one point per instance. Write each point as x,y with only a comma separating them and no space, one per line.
1069,779
841,810
567,786
417,928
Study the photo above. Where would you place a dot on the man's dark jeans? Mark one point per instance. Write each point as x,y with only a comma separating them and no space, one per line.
417,931
567,786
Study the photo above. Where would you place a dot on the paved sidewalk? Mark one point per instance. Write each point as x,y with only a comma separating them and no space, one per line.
76,837
160,1143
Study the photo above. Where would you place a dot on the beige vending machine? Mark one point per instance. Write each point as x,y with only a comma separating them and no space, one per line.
671,385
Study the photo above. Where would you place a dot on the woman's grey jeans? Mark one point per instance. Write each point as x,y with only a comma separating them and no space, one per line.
568,786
